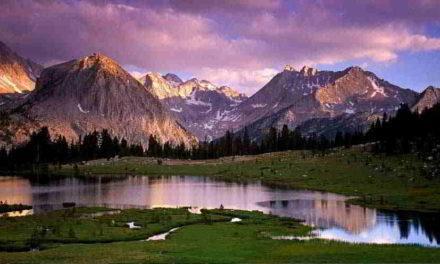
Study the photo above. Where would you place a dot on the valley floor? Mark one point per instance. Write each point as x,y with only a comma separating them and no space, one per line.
380,181
78,236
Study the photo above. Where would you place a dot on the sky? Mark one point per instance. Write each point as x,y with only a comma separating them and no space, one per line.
240,43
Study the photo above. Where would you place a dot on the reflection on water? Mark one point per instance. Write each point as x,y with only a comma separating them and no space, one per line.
351,223
336,219
18,213
325,210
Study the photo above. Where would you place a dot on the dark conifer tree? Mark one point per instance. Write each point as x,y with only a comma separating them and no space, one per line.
246,142
283,141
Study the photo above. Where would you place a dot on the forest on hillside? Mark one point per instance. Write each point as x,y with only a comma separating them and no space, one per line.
406,132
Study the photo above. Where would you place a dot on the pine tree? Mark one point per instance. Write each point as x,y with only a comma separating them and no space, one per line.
246,142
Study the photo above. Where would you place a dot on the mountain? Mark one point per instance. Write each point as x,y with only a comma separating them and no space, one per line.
95,93
428,98
195,103
173,79
17,74
351,98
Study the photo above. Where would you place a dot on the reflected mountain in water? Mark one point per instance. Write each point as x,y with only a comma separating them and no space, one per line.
336,219
325,212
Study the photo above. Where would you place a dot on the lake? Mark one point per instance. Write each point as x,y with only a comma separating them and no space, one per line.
334,218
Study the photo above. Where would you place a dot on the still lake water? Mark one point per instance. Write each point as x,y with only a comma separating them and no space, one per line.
335,218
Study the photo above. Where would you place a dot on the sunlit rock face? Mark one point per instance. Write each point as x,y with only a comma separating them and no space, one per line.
322,102
95,93
427,99
197,104
17,75
353,97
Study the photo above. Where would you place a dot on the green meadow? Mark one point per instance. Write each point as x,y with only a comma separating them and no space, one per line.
206,238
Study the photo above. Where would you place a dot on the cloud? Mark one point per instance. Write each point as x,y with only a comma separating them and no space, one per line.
240,42
248,80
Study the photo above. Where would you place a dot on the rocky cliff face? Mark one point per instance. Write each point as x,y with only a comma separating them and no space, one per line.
351,98
95,93
429,97
195,103
17,75
292,97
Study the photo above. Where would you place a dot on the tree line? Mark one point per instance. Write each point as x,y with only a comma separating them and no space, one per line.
42,149
406,132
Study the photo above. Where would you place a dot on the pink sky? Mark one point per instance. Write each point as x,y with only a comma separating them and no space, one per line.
242,43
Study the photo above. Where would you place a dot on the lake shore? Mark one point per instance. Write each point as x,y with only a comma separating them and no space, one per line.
5,208
379,181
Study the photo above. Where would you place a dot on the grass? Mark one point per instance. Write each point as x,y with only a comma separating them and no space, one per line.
248,241
380,181
91,225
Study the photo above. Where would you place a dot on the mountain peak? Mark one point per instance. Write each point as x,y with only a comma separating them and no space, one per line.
354,69
429,97
290,68
99,60
308,71
159,86
94,93
230,92
207,85
172,79
430,89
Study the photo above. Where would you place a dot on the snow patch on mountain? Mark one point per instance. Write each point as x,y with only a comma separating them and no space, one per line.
82,110
178,110
193,101
259,105
376,88
208,126
226,116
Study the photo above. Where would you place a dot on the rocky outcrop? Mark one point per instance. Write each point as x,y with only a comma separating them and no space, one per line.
173,79
95,93
17,74
428,98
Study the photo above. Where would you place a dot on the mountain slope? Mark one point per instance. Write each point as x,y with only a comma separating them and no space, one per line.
95,93
196,103
428,98
353,96
17,75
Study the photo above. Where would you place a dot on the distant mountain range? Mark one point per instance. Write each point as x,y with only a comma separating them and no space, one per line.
94,93
321,102
197,104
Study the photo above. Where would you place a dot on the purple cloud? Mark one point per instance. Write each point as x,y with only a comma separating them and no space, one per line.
240,43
